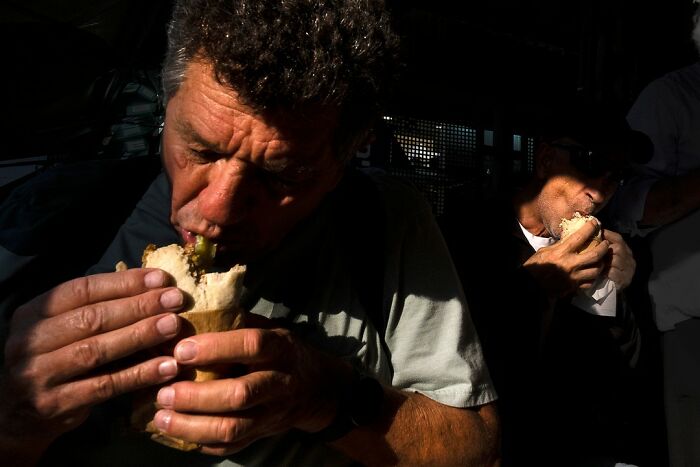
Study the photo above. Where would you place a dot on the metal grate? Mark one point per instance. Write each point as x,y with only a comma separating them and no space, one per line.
450,163
437,156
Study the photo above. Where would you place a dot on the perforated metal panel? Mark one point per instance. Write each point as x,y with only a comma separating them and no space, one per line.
449,162
436,156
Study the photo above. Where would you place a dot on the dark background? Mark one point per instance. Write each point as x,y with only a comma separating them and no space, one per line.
508,60
499,64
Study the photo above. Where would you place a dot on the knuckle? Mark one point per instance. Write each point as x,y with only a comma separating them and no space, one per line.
104,387
88,354
89,319
240,395
139,336
81,288
138,377
110,385
45,406
227,430
28,375
144,305
253,341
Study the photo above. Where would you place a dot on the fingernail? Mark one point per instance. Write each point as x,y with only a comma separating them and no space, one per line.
162,419
154,279
168,368
167,325
186,351
166,396
171,299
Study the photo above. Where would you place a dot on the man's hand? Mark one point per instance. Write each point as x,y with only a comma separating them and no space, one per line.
288,385
622,264
62,350
560,270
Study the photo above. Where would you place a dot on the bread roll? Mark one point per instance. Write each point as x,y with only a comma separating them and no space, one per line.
211,306
569,226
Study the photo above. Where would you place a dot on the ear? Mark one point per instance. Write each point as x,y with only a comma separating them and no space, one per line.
544,160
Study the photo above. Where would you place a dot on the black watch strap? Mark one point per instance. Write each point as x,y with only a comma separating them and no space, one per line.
359,405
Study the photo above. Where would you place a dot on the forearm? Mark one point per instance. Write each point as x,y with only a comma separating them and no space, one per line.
415,430
671,199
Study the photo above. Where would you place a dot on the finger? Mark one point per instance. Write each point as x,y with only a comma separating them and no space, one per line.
594,255
581,237
96,288
617,276
88,392
94,352
623,259
58,331
221,450
622,267
617,262
237,346
620,247
589,274
225,395
624,256
233,430
612,237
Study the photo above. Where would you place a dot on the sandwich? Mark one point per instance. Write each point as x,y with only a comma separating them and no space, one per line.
211,305
569,226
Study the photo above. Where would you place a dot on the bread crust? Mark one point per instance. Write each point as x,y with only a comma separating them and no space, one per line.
569,226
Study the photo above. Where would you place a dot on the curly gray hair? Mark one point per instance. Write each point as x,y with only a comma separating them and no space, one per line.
287,55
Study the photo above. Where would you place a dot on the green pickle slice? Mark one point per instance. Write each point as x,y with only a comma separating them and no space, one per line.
204,252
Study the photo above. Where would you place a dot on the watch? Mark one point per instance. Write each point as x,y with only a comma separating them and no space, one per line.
360,404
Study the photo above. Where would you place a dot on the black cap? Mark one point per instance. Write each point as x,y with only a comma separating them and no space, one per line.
607,143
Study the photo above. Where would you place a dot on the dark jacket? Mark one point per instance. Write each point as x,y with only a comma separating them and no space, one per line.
559,371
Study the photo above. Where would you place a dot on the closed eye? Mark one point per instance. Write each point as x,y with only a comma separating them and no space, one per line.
203,156
282,182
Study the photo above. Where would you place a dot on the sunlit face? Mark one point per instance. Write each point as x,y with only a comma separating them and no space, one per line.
566,190
239,178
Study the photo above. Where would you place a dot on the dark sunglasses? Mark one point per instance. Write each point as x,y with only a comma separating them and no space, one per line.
590,163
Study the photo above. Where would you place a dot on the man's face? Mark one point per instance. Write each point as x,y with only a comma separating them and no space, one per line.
567,190
241,179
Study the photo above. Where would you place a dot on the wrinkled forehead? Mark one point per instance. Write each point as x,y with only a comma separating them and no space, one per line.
213,115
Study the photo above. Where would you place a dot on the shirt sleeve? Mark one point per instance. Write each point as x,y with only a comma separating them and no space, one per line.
434,346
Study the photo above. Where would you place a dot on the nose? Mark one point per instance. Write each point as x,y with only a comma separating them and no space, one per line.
229,195
601,190
597,195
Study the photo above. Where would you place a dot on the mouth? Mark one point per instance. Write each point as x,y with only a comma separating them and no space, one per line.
188,236
223,244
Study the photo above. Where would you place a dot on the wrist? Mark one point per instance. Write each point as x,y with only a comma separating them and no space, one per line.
360,402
